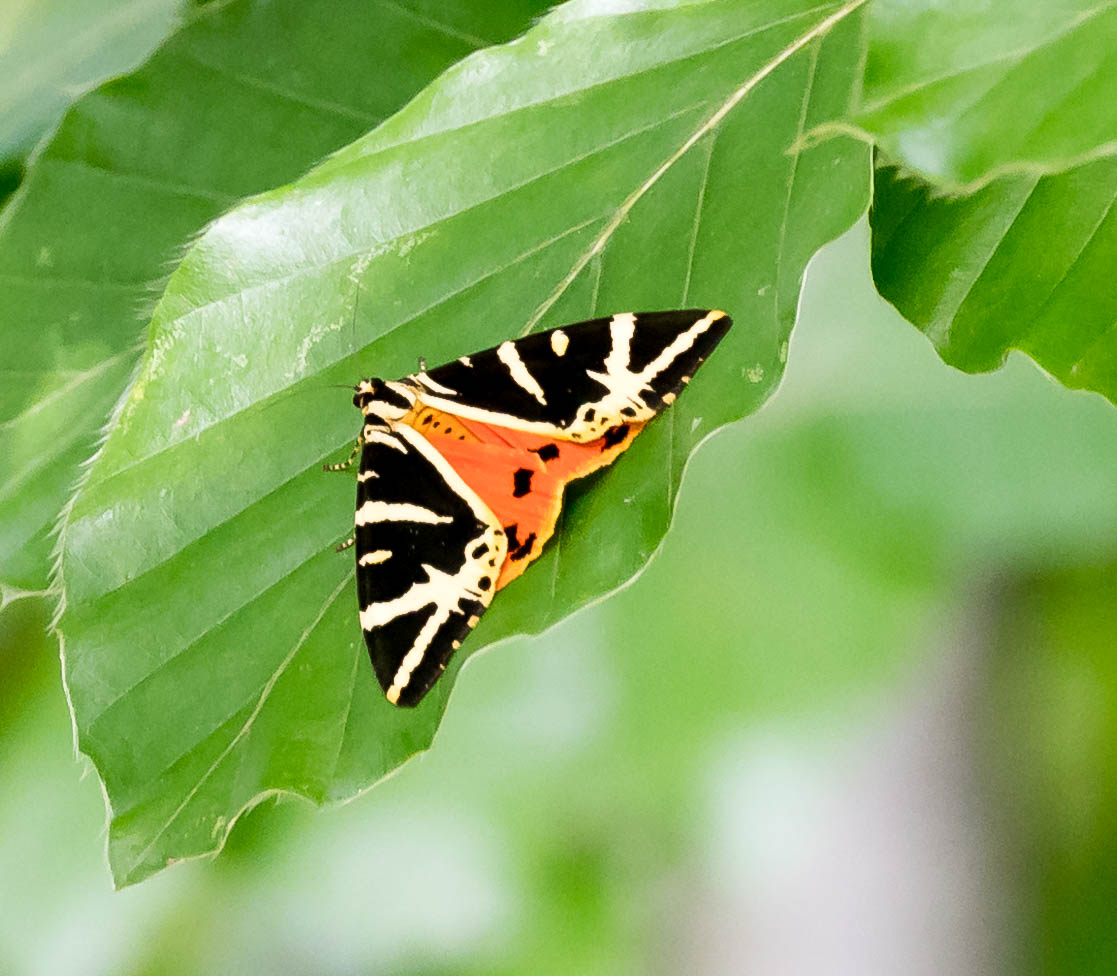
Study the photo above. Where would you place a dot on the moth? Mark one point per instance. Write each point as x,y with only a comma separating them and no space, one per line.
462,470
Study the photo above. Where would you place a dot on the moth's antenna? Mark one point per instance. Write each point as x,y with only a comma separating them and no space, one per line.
353,323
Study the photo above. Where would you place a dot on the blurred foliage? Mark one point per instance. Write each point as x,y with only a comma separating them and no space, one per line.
11,174
52,51
1052,729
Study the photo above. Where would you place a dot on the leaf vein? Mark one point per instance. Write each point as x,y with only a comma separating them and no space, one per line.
735,98
491,273
946,329
265,87
447,30
585,89
150,183
793,169
344,725
73,378
698,211
265,693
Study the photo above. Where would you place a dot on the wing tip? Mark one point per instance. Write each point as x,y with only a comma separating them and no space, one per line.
720,316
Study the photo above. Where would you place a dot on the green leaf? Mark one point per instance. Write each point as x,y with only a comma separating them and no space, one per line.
53,50
621,157
1025,263
960,92
247,96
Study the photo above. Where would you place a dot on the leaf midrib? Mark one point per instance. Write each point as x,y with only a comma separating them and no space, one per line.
262,699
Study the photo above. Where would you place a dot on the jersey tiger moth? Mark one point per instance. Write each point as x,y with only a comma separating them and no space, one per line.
462,470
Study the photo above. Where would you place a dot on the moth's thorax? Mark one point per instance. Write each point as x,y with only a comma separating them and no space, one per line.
384,400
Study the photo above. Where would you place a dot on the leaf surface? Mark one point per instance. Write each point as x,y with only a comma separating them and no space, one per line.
961,92
616,157
246,96
1024,263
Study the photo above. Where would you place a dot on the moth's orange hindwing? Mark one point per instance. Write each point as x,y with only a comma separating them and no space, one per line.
520,476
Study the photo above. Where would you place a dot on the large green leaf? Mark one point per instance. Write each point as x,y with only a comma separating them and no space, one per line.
960,92
632,157
1025,263
247,96
52,50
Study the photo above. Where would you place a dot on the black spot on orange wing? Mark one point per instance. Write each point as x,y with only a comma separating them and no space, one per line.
614,436
523,551
518,550
521,482
499,463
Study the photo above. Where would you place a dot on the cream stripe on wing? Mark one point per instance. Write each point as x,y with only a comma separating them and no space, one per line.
683,341
621,330
439,588
507,354
398,512
419,443
375,557
468,412
372,435
434,385
414,657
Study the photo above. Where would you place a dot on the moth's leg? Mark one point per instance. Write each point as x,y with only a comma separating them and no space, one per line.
422,365
347,544
348,462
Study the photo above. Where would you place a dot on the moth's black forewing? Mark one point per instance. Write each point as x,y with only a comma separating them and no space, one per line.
486,383
406,477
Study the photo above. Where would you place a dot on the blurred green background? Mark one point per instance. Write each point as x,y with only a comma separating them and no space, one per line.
858,716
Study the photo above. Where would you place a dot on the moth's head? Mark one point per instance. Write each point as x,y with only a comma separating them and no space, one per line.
366,391
383,399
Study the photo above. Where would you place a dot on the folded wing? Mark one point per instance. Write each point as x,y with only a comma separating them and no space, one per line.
579,381
429,553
